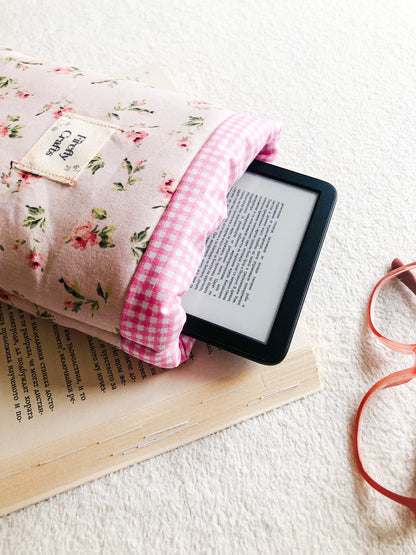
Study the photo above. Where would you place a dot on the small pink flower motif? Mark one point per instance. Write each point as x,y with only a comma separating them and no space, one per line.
3,130
62,111
69,304
84,236
25,177
62,70
167,187
202,105
183,143
137,136
4,296
35,260
5,179
16,246
24,94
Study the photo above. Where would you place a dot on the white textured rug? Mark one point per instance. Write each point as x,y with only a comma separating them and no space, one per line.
341,78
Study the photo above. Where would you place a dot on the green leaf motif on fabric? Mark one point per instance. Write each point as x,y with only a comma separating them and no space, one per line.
42,313
140,243
106,241
6,81
132,178
96,164
134,106
22,64
109,82
195,121
99,213
78,300
193,124
104,294
7,129
35,218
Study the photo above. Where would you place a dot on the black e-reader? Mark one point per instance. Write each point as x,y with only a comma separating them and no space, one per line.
249,290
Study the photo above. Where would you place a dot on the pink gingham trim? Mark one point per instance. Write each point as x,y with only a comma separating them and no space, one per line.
153,317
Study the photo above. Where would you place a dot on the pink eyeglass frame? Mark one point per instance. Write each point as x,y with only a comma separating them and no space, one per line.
401,271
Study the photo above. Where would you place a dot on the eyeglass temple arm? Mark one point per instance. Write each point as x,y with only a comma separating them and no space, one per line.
406,277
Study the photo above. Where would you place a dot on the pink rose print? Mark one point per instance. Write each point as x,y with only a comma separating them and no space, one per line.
23,178
59,106
200,104
136,136
91,234
75,71
23,94
35,260
63,70
69,305
84,235
4,296
184,143
62,111
5,179
11,129
167,187
18,243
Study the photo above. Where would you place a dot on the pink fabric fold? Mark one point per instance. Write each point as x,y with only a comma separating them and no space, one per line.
153,317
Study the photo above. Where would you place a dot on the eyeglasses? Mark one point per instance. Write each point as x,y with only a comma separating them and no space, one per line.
407,345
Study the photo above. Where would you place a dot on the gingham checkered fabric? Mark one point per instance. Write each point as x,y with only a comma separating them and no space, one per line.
153,317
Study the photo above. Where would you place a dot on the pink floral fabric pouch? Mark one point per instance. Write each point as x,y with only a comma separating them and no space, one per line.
108,190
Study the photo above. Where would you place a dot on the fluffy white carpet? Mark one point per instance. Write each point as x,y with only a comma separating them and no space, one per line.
341,78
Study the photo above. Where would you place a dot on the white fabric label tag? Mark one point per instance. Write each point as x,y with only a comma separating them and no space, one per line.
66,148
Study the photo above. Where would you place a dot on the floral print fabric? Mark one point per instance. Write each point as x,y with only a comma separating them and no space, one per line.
72,251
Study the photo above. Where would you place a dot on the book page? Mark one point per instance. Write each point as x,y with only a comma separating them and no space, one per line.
56,381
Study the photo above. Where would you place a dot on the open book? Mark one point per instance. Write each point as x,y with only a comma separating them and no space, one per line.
73,408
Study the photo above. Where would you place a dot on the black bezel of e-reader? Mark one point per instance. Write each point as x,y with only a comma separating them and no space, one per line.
291,303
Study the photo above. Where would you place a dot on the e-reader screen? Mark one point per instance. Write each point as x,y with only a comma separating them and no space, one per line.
249,259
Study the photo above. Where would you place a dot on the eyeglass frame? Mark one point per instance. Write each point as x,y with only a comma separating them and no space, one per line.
400,377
